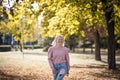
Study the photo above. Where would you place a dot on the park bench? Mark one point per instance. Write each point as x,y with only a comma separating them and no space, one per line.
5,47
87,44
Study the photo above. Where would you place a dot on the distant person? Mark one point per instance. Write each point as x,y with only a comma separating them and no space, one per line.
19,45
1,41
12,45
58,57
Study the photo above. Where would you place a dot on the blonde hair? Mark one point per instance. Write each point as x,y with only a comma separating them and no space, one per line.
55,39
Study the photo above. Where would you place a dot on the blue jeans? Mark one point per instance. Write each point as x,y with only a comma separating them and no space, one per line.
61,70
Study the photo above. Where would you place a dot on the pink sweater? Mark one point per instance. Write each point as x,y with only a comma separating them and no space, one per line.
58,55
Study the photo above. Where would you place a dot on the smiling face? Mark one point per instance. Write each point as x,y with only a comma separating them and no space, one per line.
59,40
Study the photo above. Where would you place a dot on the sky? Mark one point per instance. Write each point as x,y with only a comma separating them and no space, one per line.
8,4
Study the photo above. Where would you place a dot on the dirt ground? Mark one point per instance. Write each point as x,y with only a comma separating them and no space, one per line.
33,65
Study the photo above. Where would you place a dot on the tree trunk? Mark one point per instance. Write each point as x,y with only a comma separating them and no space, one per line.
1,2
96,34
83,47
109,13
97,46
111,46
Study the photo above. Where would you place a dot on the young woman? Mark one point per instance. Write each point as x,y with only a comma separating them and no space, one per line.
58,57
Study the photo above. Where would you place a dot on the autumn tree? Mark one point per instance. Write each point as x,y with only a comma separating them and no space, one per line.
109,14
22,20
68,16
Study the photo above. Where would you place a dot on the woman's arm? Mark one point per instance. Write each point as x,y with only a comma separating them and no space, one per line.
67,60
50,59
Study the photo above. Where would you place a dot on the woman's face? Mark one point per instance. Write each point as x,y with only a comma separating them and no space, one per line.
60,40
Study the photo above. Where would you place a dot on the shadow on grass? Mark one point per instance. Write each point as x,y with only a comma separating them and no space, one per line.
100,71
28,53
111,75
6,76
88,66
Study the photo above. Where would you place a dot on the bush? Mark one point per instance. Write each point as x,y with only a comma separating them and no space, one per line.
47,43
5,47
32,46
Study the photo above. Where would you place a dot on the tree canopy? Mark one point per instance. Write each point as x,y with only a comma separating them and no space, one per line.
65,17
68,17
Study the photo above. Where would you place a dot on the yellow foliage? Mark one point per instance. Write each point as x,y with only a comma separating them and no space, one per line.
117,9
82,33
75,22
118,41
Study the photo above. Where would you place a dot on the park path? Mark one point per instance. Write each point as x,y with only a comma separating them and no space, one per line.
33,65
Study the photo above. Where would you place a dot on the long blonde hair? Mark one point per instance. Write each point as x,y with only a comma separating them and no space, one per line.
55,39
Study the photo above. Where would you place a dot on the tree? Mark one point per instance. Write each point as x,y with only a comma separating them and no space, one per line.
94,15
109,14
67,17
73,15
22,18
96,33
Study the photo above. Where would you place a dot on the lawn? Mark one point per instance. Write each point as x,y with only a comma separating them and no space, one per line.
33,65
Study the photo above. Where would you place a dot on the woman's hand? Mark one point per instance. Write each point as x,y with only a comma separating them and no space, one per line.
67,74
54,70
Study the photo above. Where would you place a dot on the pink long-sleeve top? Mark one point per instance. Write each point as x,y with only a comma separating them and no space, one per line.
58,55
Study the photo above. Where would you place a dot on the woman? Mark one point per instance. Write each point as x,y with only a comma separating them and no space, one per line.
58,57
